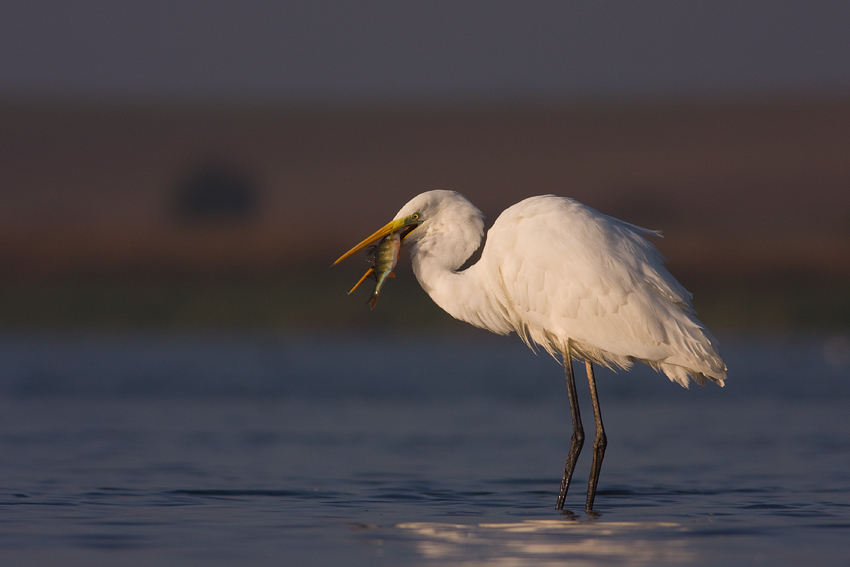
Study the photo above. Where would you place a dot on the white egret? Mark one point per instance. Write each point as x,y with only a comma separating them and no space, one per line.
565,277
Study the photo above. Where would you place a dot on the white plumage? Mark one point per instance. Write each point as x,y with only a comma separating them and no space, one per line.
555,270
563,276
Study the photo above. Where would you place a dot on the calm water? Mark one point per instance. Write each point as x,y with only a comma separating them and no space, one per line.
275,450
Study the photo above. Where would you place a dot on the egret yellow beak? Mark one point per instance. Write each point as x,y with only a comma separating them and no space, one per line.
388,228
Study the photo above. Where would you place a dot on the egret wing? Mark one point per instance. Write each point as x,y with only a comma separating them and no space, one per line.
566,271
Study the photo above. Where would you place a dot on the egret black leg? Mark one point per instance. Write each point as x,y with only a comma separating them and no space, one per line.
577,439
599,443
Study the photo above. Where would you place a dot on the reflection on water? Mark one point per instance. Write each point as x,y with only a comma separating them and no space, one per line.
544,542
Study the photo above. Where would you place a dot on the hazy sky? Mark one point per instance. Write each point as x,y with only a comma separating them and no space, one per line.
421,50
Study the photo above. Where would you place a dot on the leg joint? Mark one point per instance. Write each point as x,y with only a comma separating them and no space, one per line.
578,438
600,442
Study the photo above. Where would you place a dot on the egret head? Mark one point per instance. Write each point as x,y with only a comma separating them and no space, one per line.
450,228
441,211
428,213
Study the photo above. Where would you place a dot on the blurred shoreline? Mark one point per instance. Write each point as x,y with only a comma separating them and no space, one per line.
164,216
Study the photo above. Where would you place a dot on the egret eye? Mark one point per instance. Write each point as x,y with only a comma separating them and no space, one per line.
415,216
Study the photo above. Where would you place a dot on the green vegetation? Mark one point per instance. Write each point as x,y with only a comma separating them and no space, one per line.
308,299
783,304
314,299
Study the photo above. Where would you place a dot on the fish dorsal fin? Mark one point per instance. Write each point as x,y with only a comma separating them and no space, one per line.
372,254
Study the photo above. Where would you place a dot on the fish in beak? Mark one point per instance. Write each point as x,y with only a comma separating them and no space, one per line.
384,255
